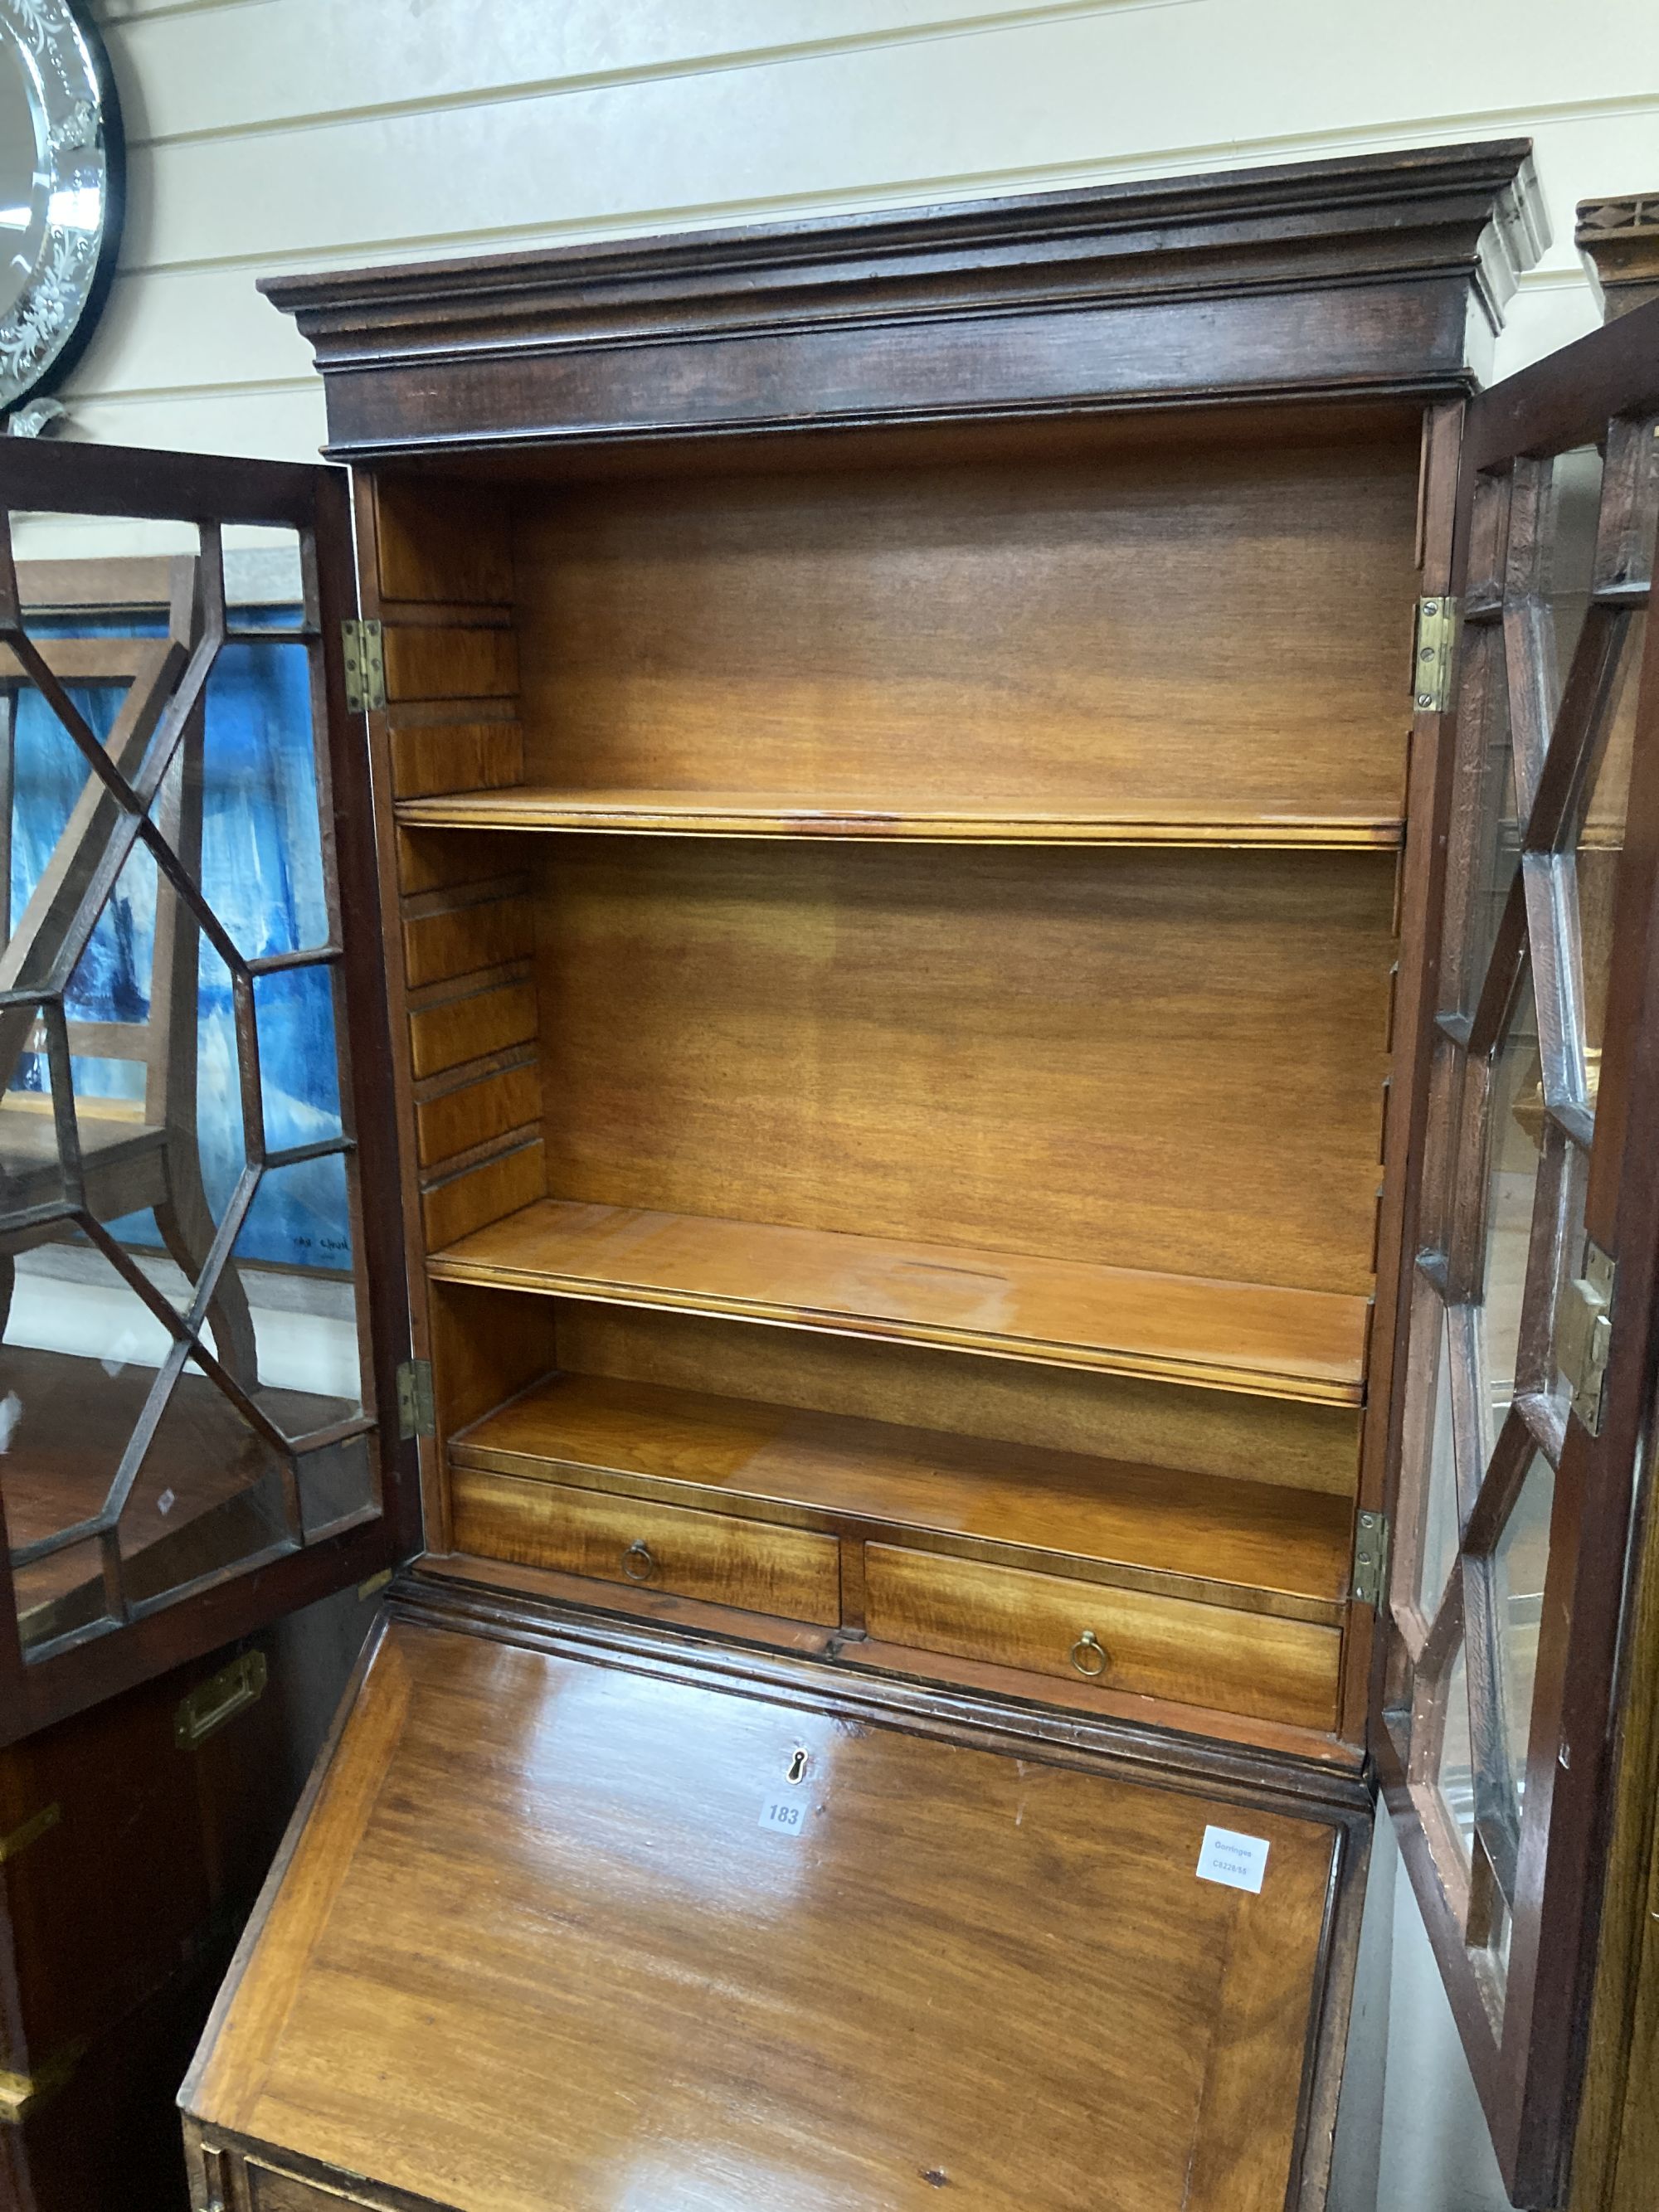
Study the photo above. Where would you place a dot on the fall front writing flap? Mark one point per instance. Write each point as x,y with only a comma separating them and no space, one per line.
591,1929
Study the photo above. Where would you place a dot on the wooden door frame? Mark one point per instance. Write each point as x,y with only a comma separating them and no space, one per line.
315,502
1528,2074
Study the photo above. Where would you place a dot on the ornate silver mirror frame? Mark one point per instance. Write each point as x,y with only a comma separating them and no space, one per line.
60,193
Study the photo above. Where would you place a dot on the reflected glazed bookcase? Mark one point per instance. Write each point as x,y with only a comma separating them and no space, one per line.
910,758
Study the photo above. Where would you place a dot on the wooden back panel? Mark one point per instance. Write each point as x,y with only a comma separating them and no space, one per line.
1226,627
1210,1433
1160,1061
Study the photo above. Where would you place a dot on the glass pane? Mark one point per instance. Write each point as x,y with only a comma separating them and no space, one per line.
1454,1774
115,1021
336,1482
1489,1931
32,1171
140,1062
209,1493
49,781
299,1061
1441,1530
98,567
264,581
259,858
1601,841
293,1259
1519,1561
1574,506
102,626
140,1237
1446,1085
1503,1930
157,1096
1572,1255
77,1364
1494,849
60,1595
1514,1139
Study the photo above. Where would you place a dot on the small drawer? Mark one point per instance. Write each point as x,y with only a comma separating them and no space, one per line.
268,2190
1160,1647
755,1565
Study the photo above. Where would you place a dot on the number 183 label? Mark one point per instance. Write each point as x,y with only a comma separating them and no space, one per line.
787,1815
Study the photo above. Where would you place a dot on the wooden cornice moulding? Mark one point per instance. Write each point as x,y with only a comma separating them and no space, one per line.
1620,242
1381,273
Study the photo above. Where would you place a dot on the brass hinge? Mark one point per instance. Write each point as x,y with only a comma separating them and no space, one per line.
1583,1333
1371,1558
203,1712
364,649
1434,655
415,1417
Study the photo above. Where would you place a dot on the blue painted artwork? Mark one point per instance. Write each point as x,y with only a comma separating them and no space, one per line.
262,874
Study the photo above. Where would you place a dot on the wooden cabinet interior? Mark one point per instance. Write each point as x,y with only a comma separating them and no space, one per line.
941,907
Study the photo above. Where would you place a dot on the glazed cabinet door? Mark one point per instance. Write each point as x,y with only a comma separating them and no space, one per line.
201,1281
1522,1406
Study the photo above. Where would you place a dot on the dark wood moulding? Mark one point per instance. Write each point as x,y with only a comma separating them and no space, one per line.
1382,274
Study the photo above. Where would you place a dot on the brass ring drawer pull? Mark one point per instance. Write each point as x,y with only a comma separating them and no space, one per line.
637,1562
1089,1654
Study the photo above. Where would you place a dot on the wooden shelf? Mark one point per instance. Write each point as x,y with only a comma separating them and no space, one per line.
752,814
1244,1544
1232,1336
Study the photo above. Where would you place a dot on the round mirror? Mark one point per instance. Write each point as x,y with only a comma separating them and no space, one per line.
60,191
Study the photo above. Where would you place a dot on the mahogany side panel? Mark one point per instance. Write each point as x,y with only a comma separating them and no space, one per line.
437,574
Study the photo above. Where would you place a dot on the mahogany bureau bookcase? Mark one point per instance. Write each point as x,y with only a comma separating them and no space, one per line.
1005,968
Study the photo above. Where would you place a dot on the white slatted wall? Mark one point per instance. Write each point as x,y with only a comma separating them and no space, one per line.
298,134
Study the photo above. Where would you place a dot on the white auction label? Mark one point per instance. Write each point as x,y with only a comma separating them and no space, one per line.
1239,1860
787,1815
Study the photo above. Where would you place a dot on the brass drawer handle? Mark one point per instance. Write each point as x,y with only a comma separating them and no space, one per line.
1089,1655
637,1562
203,1710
